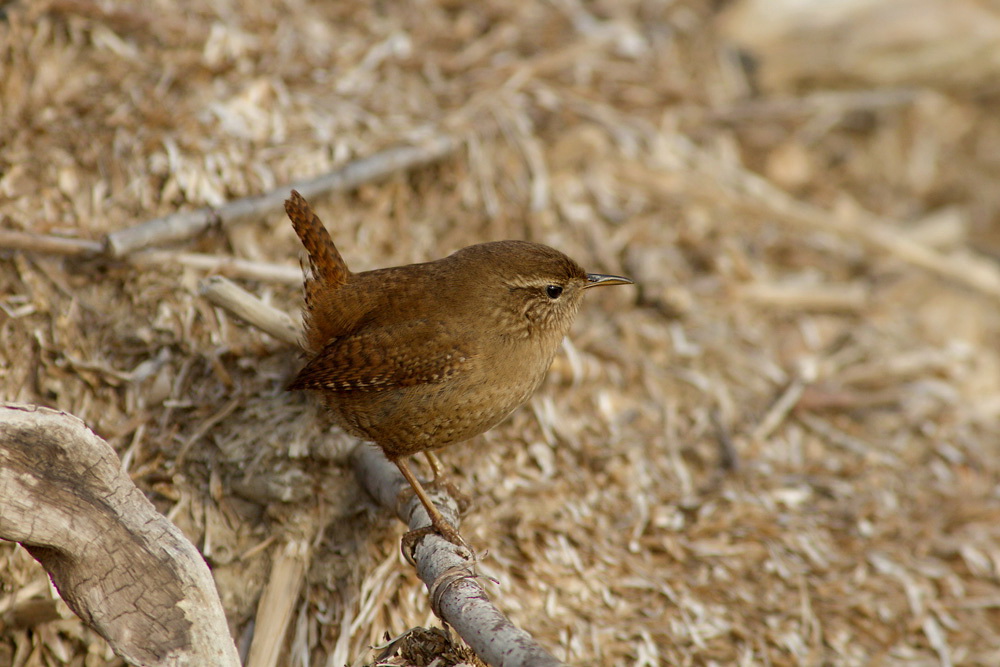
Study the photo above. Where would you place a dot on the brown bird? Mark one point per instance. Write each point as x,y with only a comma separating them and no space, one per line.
414,358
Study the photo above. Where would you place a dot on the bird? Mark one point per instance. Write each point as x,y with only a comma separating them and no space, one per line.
418,357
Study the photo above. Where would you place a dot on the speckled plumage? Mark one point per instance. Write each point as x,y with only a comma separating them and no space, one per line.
418,357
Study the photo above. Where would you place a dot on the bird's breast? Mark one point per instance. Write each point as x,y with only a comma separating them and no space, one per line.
495,381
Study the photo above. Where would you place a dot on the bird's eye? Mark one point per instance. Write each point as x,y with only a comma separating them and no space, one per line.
554,291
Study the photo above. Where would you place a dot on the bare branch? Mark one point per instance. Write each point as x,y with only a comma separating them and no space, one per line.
181,226
58,245
118,563
456,595
237,301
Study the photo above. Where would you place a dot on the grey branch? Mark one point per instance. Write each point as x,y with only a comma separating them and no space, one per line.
181,226
118,563
456,595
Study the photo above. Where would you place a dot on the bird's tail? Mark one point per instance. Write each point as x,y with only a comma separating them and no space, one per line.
327,269
325,262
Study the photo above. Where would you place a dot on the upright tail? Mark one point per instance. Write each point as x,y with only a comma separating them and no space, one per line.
327,269
327,265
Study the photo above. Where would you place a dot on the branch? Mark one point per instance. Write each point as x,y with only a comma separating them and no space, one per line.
456,596
230,297
56,245
181,226
118,563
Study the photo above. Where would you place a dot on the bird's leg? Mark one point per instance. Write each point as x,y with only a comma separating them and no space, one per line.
439,480
435,463
438,522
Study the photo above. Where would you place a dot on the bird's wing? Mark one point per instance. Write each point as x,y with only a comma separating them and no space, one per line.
390,357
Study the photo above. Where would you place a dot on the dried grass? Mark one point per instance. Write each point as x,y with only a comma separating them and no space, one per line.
859,389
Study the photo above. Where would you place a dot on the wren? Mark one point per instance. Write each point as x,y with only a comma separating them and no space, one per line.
414,358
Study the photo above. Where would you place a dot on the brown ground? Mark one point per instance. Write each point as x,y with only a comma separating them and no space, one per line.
858,387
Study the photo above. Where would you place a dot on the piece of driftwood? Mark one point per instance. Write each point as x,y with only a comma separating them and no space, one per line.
456,595
181,226
118,563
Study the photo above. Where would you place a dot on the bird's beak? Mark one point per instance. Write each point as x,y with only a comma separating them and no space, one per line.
598,279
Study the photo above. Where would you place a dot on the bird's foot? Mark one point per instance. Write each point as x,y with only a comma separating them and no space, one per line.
443,529
439,524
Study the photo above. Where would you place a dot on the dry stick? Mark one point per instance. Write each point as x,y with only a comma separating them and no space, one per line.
57,245
237,301
456,596
181,226
779,410
119,564
277,604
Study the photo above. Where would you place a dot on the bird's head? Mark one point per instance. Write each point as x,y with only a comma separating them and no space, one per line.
535,290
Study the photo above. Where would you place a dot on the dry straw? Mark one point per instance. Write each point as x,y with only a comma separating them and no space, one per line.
784,452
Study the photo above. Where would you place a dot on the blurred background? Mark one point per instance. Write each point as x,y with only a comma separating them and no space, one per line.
780,448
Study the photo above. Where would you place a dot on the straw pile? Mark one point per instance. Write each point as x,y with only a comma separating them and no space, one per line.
782,448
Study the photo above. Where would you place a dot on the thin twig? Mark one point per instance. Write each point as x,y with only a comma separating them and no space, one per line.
826,102
779,410
729,456
237,301
57,245
203,428
181,226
